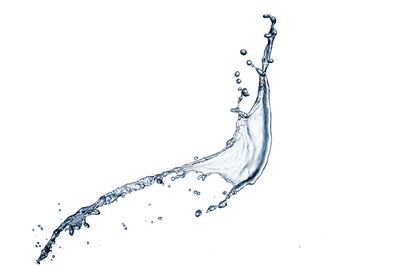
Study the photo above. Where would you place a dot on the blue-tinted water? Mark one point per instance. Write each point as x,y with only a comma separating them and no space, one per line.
241,162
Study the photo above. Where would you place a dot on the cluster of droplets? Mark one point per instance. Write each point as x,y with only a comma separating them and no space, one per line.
243,91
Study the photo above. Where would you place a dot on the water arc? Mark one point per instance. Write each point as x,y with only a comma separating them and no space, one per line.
241,162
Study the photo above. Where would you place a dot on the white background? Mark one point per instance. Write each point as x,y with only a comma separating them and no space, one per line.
94,94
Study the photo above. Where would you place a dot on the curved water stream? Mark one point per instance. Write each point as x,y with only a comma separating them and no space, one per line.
241,162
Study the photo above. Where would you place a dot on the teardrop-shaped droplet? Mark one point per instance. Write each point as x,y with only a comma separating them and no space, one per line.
211,208
198,213
245,92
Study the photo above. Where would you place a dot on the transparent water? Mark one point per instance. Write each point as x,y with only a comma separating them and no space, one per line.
241,162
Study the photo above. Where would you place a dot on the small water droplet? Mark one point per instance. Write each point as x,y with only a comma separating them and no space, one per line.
248,62
196,192
243,52
222,204
198,213
245,92
211,208
87,242
237,74
238,81
224,193
159,218
196,158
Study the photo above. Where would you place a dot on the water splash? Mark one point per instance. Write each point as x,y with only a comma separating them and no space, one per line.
241,162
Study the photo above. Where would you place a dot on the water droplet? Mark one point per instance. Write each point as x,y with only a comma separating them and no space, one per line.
223,204
224,193
238,81
159,218
190,189
211,208
240,89
248,62
245,92
243,52
237,74
196,192
59,210
198,213
53,256
196,158
87,242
